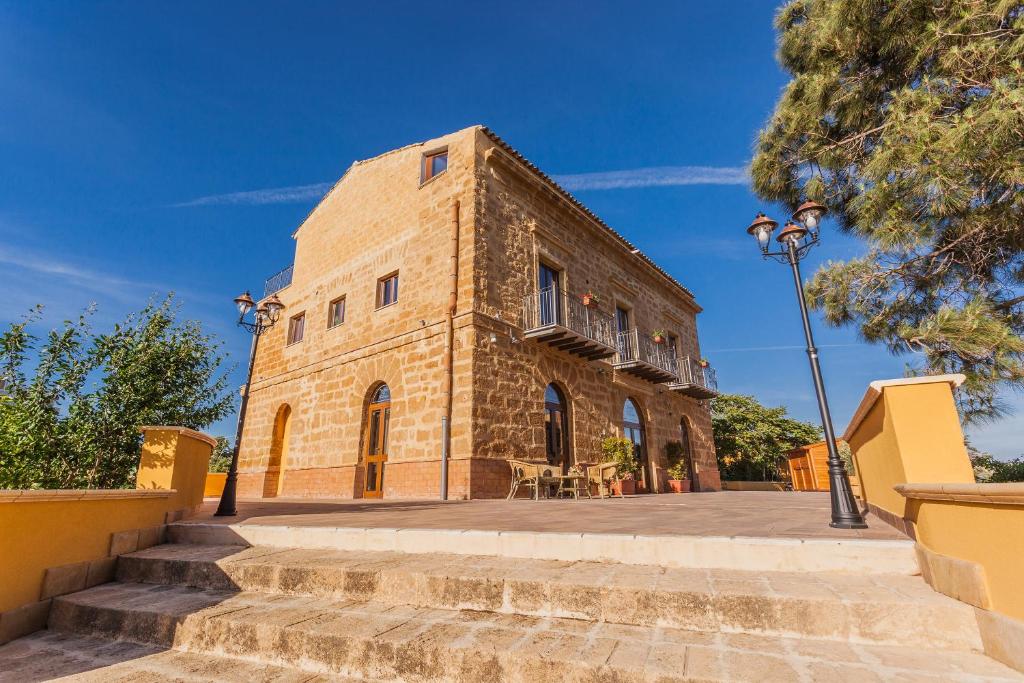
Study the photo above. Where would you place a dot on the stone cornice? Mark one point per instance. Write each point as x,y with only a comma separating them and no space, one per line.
992,494
185,431
44,495
876,388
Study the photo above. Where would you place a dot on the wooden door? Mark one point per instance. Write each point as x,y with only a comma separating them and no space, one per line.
376,455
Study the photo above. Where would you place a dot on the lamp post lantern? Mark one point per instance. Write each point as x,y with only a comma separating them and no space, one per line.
796,238
266,316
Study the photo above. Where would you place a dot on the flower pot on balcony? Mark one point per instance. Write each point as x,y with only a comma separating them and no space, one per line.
589,300
679,485
703,363
624,487
658,339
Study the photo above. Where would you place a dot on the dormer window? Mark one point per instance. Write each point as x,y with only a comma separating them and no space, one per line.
434,164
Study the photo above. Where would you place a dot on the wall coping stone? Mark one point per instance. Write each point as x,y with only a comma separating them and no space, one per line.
200,436
875,391
45,495
993,494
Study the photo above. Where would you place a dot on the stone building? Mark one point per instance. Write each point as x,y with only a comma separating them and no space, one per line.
443,284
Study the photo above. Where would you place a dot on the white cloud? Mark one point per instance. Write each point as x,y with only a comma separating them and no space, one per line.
655,176
84,278
295,194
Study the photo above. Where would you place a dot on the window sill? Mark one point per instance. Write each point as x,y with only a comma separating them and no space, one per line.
291,344
381,308
336,325
432,178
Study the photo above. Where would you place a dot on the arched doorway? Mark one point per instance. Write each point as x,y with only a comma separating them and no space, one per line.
378,419
556,427
273,481
687,454
633,429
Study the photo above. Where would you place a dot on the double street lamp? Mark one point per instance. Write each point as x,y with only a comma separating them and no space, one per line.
264,317
797,238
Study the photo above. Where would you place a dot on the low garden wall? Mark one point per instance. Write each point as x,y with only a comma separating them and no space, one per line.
58,542
214,484
915,474
753,485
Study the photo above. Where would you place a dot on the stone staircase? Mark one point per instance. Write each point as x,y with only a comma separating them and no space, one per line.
199,609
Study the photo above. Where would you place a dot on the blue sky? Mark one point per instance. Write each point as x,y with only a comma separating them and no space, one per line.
128,131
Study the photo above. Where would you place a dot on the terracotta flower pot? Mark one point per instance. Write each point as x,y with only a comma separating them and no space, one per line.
679,485
588,300
658,339
624,487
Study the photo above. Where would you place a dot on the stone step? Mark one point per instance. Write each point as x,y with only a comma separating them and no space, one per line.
48,655
863,556
894,609
374,641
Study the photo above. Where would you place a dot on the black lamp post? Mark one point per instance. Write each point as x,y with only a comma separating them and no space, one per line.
797,237
266,315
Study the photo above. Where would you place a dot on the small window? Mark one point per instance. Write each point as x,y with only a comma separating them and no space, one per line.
673,343
387,290
336,312
622,319
434,164
296,326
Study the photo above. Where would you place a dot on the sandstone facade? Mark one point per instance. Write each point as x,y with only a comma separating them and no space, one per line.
307,429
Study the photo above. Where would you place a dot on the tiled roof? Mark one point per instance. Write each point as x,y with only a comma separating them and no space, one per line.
580,205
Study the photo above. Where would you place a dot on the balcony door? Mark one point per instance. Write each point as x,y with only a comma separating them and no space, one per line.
549,288
378,421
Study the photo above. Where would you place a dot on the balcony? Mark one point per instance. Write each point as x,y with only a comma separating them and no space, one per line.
694,380
639,355
275,283
553,317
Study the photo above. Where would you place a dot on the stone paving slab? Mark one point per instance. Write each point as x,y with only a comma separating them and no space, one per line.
48,656
766,514
375,641
860,607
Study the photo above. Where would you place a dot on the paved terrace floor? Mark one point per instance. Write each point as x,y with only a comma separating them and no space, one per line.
728,513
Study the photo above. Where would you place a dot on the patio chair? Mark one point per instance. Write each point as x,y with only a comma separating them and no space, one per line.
524,474
603,474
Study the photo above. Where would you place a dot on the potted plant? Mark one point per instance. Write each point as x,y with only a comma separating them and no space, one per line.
658,336
590,299
622,453
704,362
678,473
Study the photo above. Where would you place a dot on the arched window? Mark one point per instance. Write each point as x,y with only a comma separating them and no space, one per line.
382,395
556,427
633,429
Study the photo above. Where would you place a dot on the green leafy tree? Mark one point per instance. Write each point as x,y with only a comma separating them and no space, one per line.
220,459
74,401
751,440
906,118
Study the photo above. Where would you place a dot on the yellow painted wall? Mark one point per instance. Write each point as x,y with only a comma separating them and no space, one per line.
43,529
992,535
37,535
214,484
910,434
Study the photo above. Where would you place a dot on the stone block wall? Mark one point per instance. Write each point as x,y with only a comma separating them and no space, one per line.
380,219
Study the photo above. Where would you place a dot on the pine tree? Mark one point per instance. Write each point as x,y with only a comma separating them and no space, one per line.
906,117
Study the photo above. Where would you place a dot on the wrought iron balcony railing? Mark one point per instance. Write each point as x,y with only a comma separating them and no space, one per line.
695,379
637,354
275,283
554,317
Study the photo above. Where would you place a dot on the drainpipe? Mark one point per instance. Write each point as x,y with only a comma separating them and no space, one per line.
449,347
